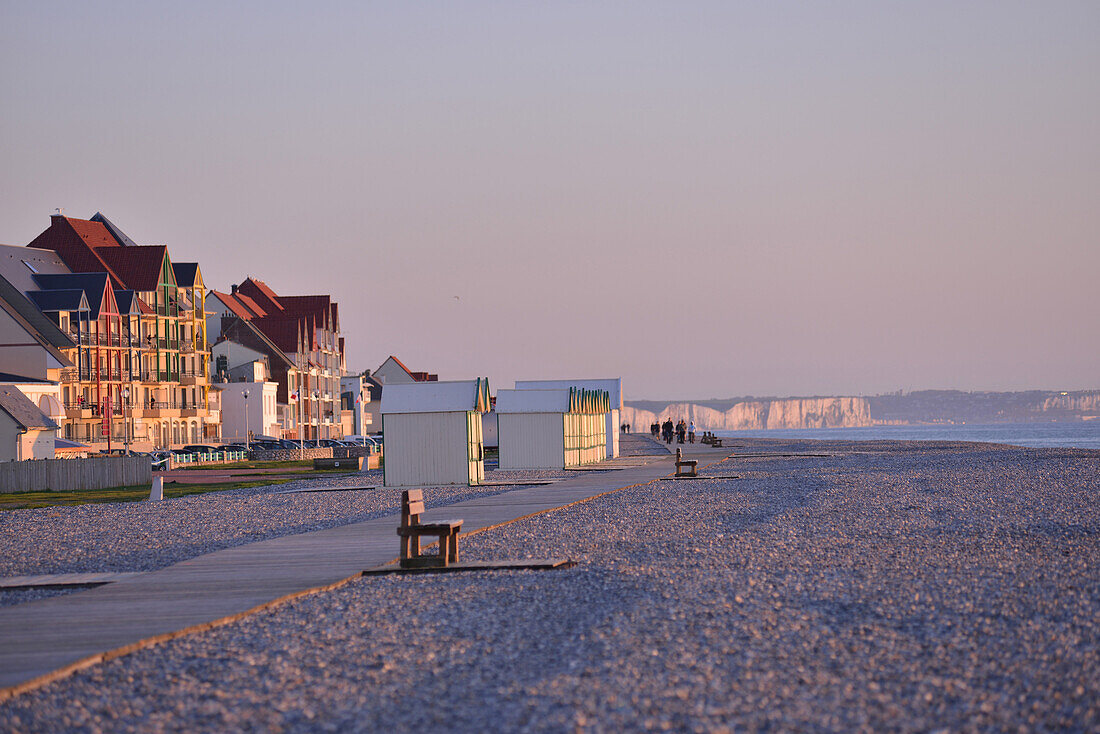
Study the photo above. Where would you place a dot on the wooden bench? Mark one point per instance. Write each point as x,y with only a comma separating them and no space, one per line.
715,442
411,530
685,467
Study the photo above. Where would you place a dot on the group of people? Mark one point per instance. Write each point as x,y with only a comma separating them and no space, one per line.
682,431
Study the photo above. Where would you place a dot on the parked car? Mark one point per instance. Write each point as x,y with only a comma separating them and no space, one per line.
200,449
362,441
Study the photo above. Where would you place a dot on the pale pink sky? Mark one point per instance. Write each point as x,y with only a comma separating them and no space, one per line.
708,199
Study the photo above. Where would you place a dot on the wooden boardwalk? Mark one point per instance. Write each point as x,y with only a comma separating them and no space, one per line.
50,637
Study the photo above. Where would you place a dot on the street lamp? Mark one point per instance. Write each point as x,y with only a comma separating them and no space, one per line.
125,419
247,443
316,395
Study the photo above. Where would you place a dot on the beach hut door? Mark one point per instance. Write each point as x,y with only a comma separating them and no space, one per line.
475,449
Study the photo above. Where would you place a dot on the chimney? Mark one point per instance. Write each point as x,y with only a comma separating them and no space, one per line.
233,289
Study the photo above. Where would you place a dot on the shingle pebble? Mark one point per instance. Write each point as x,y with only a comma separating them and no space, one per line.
144,536
892,586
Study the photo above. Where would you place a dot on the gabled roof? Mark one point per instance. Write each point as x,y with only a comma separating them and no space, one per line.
76,241
231,302
436,397
119,236
129,302
59,300
96,287
397,362
22,410
414,376
259,291
139,266
187,274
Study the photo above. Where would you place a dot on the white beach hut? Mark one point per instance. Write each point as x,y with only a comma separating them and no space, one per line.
551,429
614,388
432,432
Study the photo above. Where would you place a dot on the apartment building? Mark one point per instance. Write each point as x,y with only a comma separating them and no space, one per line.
306,329
141,366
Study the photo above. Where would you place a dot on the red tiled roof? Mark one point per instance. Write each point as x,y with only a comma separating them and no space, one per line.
139,266
250,305
145,308
305,304
283,332
75,240
93,233
259,291
231,302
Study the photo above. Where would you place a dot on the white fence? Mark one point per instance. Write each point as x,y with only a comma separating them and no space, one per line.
65,475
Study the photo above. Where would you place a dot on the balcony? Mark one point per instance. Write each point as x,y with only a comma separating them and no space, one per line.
193,377
160,409
81,410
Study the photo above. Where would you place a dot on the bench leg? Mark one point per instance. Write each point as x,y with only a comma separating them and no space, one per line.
452,548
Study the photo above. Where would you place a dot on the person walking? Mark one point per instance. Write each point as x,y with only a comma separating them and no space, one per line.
691,432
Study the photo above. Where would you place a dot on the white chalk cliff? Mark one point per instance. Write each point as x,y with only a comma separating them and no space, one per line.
842,412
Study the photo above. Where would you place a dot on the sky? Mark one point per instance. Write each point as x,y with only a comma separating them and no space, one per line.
708,199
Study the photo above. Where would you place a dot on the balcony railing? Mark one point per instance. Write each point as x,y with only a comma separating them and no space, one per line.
96,409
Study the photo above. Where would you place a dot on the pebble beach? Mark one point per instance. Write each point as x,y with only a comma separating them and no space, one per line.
908,586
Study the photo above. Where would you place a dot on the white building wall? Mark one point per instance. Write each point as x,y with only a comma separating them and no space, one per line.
612,440
10,447
531,441
426,449
37,444
263,413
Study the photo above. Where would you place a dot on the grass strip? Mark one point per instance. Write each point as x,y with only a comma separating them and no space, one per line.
30,500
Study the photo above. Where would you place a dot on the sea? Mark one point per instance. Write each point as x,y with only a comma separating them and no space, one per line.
1081,435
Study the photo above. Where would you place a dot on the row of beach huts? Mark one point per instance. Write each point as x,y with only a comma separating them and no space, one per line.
435,431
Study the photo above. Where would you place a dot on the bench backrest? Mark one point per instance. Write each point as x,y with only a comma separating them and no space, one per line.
412,504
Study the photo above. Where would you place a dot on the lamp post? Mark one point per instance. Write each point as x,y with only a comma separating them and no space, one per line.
247,443
125,419
301,416
316,395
